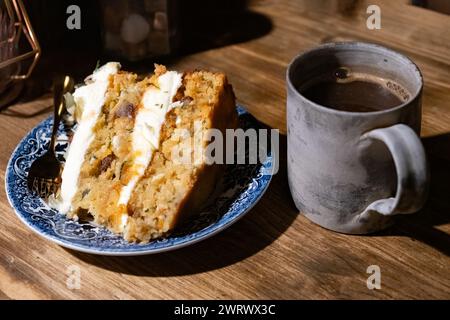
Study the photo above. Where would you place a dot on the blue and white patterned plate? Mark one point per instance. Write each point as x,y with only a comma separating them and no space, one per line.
242,187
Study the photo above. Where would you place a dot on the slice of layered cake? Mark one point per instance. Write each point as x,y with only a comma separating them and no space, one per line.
137,162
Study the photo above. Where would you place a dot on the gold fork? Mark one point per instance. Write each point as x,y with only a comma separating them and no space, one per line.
44,177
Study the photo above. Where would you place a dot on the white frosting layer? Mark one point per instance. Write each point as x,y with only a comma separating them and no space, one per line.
91,98
156,102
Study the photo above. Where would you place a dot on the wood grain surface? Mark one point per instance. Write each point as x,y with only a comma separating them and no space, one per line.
273,252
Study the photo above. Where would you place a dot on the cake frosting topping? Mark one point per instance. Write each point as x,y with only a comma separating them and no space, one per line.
156,102
90,98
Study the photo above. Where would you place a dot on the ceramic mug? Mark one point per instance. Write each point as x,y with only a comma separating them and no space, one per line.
352,171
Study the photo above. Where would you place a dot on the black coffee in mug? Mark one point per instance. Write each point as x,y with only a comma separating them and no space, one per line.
345,90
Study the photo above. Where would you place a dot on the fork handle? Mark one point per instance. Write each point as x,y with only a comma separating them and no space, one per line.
58,106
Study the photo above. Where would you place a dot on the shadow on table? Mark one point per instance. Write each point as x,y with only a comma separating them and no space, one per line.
257,230
266,222
228,22
24,112
422,226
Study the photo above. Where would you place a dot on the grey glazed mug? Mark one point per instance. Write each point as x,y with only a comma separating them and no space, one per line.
349,171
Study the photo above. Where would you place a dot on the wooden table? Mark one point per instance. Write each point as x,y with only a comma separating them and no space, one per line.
274,252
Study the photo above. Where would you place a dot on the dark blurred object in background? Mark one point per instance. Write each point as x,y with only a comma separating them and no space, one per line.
138,29
142,31
442,6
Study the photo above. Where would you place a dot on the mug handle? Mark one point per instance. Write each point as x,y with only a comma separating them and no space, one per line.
411,166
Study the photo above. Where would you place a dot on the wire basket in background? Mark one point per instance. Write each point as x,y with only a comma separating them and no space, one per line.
19,48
